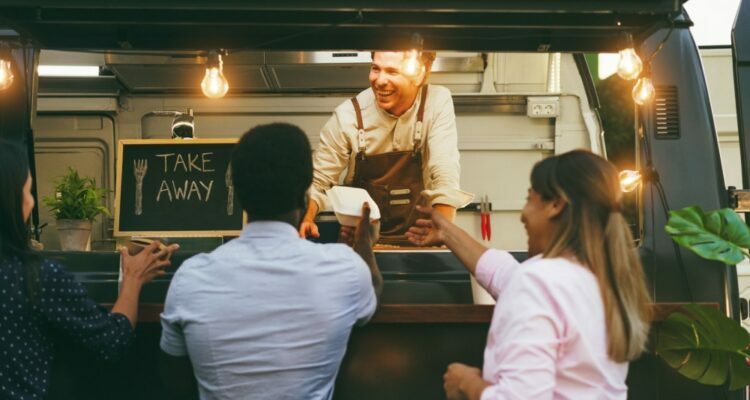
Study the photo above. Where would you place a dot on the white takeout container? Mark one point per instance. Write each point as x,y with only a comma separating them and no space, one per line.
347,204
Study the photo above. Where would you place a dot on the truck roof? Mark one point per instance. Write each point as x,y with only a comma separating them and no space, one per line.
476,25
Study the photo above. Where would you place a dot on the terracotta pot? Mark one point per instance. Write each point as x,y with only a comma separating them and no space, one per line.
75,234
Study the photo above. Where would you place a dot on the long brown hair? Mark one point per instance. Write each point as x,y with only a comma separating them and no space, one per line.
593,229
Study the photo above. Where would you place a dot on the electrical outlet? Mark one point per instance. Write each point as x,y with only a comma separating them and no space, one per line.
542,107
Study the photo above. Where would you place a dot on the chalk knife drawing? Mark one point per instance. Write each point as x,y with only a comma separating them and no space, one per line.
230,190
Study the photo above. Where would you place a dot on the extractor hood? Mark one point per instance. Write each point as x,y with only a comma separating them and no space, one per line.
268,72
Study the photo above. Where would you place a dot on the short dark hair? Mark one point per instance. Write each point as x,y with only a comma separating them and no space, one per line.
272,170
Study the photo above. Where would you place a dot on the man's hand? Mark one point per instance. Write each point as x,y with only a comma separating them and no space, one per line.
308,228
458,378
366,233
362,239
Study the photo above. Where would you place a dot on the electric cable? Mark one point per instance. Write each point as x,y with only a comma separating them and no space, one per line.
652,177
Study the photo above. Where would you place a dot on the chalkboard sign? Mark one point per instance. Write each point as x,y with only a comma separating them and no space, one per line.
176,188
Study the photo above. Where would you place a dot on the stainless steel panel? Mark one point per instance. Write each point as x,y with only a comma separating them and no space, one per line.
258,71
315,77
186,77
318,57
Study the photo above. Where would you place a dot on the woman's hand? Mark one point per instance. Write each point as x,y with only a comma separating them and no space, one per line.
308,228
147,264
137,270
461,382
428,232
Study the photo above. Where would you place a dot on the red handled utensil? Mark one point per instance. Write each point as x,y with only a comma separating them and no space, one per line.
487,216
484,210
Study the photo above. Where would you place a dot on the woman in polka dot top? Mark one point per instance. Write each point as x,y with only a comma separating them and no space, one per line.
40,301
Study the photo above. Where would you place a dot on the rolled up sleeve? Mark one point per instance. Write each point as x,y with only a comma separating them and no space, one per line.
494,269
442,161
330,160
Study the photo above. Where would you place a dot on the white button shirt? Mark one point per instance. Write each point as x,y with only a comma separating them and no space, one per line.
385,133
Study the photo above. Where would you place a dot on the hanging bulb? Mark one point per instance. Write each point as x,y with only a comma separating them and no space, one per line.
629,180
412,65
629,65
214,84
643,91
6,74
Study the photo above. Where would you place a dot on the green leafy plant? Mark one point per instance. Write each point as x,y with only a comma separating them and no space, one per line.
76,197
700,342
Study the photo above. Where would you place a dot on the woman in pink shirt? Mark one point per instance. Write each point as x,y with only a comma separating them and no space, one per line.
568,319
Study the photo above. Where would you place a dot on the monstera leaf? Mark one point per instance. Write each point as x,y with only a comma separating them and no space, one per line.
704,345
719,235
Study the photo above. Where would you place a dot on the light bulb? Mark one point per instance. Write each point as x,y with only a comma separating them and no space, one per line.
630,65
214,84
412,66
629,180
643,91
6,74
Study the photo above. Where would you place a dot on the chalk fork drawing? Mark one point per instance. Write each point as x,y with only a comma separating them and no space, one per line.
230,190
139,170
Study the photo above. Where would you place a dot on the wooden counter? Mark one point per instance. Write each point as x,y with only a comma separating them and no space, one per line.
400,355
428,313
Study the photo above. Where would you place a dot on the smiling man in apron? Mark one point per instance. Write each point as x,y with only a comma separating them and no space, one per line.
396,139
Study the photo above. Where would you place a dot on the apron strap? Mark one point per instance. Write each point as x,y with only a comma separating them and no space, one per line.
420,117
361,144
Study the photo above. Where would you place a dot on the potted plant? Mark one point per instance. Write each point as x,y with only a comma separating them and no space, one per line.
700,342
77,201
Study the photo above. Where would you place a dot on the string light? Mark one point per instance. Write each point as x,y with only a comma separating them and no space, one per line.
214,84
629,66
643,91
629,180
6,70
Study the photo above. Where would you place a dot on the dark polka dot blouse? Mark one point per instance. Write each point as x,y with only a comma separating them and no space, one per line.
61,311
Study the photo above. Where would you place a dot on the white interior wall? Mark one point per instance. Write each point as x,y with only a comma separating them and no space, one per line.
84,142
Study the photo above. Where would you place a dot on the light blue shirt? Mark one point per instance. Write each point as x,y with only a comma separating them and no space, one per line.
267,315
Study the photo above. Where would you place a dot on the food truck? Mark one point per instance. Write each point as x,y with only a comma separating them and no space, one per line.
522,90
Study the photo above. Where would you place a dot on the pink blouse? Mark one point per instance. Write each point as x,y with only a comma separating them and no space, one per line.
548,337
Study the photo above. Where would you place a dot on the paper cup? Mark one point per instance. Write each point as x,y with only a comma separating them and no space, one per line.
136,245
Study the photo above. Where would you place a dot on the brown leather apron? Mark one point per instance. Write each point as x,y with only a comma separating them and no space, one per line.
393,180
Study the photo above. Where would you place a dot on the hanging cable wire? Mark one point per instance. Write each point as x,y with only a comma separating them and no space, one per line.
655,181
661,44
